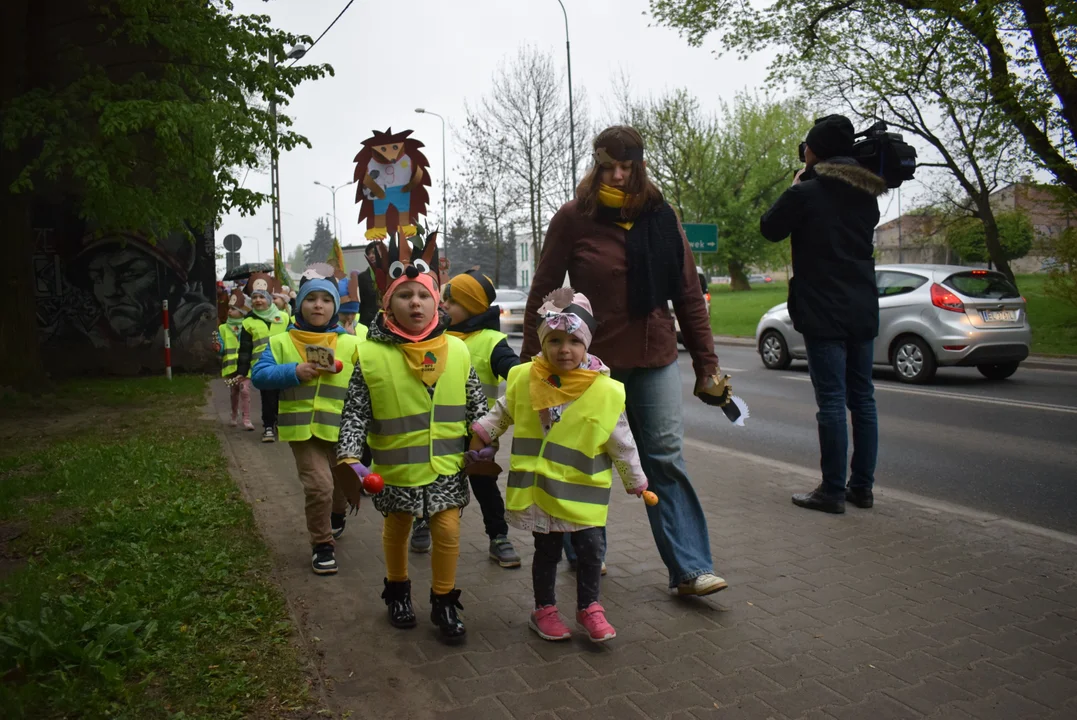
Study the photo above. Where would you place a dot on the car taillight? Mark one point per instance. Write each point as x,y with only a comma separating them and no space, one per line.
946,300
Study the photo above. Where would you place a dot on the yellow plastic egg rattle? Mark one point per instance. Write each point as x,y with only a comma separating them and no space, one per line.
650,498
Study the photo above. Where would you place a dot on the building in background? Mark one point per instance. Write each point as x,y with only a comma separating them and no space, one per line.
920,236
525,262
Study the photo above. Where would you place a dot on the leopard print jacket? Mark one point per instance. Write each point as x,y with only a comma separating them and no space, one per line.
447,491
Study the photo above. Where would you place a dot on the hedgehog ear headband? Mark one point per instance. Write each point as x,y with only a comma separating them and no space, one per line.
615,152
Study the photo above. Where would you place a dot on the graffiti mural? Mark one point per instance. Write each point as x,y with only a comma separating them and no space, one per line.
99,298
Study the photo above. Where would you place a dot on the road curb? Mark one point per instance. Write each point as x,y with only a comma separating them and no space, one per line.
1034,362
985,519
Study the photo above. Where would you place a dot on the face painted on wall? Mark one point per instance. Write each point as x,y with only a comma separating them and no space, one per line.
125,285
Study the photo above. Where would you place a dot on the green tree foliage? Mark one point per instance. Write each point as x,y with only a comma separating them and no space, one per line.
143,113
1062,280
1020,52
1015,233
725,169
321,245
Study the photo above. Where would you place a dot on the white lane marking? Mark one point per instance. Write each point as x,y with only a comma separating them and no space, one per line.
1026,404
729,369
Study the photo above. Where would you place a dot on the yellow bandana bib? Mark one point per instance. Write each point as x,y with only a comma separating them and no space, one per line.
302,338
614,198
427,359
551,386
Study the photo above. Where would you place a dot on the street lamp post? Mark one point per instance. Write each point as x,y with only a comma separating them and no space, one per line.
444,175
333,189
274,171
571,110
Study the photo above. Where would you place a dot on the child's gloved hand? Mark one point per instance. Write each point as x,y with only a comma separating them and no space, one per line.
358,468
485,454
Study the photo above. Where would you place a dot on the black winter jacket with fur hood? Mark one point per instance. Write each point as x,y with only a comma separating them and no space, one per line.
831,215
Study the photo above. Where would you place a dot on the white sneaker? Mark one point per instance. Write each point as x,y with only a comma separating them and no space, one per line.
705,584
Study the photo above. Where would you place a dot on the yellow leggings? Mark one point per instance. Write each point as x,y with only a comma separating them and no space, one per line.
445,550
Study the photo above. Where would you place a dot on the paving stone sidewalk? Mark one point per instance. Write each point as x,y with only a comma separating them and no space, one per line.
902,611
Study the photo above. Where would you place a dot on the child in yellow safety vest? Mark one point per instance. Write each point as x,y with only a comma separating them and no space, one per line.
467,298
264,322
227,346
411,400
311,400
570,430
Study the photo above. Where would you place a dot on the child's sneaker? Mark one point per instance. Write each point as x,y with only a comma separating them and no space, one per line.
593,620
247,424
546,621
235,420
337,522
323,560
268,436
501,549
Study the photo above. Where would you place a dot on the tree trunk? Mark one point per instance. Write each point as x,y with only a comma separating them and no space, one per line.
738,279
991,238
20,351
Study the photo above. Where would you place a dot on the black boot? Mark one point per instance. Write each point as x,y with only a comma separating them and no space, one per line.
397,597
443,614
818,500
861,497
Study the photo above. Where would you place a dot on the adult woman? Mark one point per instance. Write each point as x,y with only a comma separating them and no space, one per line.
622,245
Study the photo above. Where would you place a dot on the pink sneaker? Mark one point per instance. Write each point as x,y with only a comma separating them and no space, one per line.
593,620
235,420
547,623
247,424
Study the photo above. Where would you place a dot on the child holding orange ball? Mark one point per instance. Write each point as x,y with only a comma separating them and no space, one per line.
570,431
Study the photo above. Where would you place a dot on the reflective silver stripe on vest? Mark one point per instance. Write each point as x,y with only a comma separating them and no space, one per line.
560,490
333,392
563,455
450,413
318,417
300,392
490,391
260,345
418,454
231,353
414,423
401,425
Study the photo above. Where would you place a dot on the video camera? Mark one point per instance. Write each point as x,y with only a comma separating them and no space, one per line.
884,153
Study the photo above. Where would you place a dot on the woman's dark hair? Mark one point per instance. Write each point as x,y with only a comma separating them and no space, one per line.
643,194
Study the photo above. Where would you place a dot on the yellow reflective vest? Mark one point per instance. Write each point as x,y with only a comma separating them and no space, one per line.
414,438
567,473
260,332
313,407
229,349
481,346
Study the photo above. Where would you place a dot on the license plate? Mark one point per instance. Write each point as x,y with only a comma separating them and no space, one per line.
516,312
1000,315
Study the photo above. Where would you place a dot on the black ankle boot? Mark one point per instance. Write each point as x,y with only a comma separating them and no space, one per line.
397,597
443,614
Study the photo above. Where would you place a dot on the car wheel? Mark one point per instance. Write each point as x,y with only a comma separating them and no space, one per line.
774,351
913,360
998,371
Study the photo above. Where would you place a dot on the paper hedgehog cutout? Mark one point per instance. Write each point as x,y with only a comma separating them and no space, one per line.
392,175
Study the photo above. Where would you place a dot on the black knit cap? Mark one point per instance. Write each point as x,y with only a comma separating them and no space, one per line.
831,136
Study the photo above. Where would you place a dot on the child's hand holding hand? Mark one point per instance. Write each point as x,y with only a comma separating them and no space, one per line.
639,490
307,372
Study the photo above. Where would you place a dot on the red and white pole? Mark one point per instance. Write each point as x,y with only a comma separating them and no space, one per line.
168,342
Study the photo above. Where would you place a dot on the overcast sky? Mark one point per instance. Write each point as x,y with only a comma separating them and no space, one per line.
391,57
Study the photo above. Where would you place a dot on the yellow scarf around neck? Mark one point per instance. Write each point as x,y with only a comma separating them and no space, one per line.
427,359
302,338
551,386
461,335
614,198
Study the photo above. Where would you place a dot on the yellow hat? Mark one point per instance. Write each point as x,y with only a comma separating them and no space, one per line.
472,290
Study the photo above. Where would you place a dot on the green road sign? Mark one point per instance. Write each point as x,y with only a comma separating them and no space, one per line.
702,237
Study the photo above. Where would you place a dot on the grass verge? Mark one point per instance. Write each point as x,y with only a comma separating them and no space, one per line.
737,313
1054,323
135,584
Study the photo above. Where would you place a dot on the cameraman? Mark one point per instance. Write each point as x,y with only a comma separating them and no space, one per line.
831,212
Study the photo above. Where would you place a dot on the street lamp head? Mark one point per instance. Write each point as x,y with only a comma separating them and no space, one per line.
297,52
420,110
318,183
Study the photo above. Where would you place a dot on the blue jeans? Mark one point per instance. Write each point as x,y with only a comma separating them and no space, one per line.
841,375
653,400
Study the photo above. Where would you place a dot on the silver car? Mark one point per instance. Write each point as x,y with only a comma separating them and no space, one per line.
512,304
930,316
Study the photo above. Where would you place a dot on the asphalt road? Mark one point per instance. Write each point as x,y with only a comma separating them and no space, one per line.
1008,448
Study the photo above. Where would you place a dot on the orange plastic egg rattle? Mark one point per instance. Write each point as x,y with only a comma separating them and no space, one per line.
649,497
